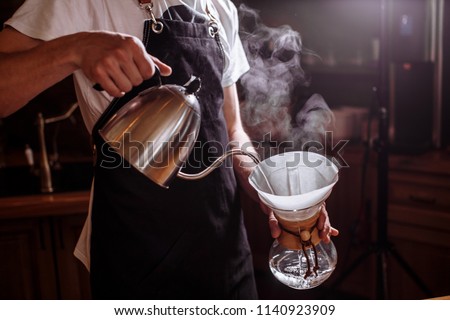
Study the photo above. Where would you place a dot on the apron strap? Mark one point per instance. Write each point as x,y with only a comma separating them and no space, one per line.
147,5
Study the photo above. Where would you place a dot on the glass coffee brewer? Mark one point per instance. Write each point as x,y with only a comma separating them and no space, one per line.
295,186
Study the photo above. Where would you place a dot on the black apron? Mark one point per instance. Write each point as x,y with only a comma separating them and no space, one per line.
188,241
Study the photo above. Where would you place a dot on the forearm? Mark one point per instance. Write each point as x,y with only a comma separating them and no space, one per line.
243,165
240,140
25,74
236,133
115,61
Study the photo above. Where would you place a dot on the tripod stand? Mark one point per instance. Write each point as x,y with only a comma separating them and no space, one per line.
382,247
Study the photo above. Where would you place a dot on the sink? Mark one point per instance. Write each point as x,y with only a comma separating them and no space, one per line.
17,181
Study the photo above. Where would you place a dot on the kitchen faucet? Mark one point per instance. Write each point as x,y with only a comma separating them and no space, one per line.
45,172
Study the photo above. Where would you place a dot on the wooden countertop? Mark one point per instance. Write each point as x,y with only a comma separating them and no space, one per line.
40,205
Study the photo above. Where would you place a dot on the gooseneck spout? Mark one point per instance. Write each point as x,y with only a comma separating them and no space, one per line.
217,163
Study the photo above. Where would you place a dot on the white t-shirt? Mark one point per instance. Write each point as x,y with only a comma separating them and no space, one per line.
50,19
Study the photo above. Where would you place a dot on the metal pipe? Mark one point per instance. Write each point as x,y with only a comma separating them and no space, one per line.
64,116
45,172
439,61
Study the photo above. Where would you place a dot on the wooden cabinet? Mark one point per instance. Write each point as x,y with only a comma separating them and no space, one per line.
36,247
419,223
27,268
418,228
73,276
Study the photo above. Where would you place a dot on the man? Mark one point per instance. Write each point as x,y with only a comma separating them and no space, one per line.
185,242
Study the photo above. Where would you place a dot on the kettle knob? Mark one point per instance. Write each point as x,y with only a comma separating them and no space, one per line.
193,86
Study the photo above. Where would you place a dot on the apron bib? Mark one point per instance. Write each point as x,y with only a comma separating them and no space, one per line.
187,241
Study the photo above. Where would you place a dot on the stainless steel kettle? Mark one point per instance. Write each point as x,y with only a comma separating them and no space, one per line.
156,131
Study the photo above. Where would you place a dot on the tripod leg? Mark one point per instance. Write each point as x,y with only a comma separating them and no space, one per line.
402,262
352,267
382,281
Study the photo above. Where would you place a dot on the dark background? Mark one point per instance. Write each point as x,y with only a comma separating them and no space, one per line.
344,70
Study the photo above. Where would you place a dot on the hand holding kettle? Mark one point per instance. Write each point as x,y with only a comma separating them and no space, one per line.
115,61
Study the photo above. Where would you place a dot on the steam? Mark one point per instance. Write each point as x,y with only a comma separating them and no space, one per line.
276,104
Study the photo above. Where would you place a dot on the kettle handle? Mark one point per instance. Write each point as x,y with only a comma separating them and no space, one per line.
157,73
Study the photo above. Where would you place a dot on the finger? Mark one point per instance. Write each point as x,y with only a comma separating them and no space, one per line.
120,79
112,89
133,74
274,227
326,236
164,69
106,83
113,70
334,232
321,221
323,224
323,217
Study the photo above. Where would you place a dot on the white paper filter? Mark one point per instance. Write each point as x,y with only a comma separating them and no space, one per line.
294,180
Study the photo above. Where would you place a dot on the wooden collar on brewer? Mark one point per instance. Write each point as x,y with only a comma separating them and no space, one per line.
301,235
